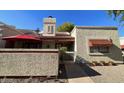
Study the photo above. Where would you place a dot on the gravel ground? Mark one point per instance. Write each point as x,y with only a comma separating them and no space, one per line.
60,79
32,80
108,74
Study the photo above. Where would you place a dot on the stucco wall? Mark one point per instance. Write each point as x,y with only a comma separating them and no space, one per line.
82,37
121,40
28,62
73,34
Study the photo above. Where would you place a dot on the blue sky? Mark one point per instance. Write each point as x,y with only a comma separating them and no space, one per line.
29,19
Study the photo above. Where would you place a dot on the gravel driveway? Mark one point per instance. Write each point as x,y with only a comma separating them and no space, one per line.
108,74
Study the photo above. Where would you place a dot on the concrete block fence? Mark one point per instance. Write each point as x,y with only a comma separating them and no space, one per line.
29,62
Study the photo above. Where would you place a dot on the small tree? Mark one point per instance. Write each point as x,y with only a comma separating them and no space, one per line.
62,51
65,27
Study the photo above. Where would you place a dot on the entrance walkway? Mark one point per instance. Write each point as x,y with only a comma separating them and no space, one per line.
75,74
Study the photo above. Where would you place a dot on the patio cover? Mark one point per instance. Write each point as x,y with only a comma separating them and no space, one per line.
100,42
58,38
21,37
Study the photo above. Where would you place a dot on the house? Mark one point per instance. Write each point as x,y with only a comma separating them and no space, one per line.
87,43
97,43
9,31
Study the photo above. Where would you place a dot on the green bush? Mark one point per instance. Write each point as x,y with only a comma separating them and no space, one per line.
63,50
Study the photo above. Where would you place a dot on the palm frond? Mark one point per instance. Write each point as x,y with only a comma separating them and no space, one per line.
110,12
121,19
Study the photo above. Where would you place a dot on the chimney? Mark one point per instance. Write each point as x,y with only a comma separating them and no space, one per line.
49,26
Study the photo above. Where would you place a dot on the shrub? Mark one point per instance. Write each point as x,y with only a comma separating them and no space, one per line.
110,63
63,50
104,63
94,63
101,64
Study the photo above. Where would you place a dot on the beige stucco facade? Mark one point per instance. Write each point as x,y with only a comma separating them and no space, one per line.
2,42
83,34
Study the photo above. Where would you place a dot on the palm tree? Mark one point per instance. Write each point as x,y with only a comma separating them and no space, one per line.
117,15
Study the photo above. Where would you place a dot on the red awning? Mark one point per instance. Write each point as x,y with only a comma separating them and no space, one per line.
100,42
21,37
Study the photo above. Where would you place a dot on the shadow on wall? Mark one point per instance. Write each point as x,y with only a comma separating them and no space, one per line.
81,69
91,72
117,56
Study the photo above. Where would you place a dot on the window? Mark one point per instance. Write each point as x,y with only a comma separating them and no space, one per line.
104,49
0,32
48,28
52,29
47,46
99,49
93,50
